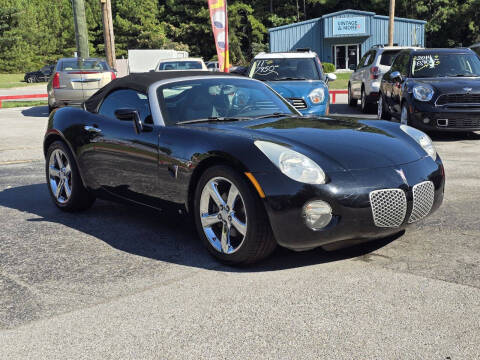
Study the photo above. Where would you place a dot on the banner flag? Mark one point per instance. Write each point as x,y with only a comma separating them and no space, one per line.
219,19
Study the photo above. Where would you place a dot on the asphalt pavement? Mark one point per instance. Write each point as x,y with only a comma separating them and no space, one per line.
122,282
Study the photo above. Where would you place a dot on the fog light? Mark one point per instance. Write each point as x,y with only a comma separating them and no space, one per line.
426,120
317,214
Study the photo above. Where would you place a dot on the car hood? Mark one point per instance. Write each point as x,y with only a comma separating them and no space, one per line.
336,144
452,85
296,88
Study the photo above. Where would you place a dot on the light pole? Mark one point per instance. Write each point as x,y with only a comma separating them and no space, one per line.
391,23
108,32
81,32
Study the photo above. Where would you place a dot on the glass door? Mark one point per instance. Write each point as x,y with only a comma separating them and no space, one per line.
346,56
352,56
340,57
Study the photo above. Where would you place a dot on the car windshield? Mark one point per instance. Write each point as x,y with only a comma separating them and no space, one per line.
218,98
444,65
388,57
284,69
94,65
180,65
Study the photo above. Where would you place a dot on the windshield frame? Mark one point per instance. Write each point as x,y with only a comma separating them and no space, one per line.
319,72
155,106
438,75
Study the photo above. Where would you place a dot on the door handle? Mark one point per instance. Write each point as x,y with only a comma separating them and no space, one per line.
92,129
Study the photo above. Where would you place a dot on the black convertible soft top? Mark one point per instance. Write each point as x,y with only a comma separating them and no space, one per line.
141,82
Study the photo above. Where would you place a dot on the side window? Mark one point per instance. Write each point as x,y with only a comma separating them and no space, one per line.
363,60
371,59
401,63
122,99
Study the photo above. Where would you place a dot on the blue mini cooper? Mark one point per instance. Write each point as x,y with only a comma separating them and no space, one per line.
298,77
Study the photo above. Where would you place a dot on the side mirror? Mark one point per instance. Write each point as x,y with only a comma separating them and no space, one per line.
396,75
331,77
130,115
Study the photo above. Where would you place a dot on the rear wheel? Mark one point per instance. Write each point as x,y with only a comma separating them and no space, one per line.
230,218
351,101
63,179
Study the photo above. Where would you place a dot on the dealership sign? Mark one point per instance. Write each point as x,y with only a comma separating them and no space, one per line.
349,25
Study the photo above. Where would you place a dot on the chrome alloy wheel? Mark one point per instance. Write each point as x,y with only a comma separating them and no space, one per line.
380,108
223,215
60,176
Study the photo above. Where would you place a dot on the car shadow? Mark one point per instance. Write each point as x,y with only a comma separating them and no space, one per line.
454,136
156,235
354,111
36,111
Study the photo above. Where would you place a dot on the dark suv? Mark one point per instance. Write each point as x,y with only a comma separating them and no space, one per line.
433,89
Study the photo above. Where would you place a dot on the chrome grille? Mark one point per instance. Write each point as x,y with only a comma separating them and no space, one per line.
458,99
389,207
423,196
463,123
298,103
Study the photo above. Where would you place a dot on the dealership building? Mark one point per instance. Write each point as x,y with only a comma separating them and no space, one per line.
342,37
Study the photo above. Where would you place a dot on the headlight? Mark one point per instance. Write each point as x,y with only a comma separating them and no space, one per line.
317,96
293,164
423,92
421,138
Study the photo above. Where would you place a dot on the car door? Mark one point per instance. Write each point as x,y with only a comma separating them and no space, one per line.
365,74
398,84
388,82
356,78
125,161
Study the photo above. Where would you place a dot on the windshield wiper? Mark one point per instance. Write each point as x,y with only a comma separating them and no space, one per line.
275,115
213,118
288,78
466,75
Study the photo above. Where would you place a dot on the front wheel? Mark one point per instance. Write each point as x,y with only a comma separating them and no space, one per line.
382,112
351,101
405,115
63,179
230,218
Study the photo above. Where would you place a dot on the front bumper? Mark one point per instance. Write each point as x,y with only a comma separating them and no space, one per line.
317,110
348,193
442,118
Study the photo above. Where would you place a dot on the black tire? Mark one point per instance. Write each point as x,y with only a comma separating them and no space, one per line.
258,242
80,198
30,79
351,101
364,104
385,114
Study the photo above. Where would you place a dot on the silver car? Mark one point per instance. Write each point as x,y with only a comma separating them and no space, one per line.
74,80
364,83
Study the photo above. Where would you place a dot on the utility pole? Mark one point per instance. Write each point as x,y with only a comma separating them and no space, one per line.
304,11
391,23
298,12
108,32
81,33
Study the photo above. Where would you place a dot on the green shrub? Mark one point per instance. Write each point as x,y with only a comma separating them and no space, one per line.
328,67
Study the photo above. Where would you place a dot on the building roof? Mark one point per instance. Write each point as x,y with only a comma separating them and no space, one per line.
348,11
286,55
141,82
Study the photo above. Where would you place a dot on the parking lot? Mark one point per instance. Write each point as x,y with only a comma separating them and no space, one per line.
123,282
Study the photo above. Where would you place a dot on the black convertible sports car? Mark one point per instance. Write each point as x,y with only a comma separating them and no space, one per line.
243,162
433,89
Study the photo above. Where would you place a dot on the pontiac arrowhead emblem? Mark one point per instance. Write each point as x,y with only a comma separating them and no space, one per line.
402,175
467,90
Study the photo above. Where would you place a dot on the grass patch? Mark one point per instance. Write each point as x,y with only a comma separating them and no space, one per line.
14,104
8,81
342,81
